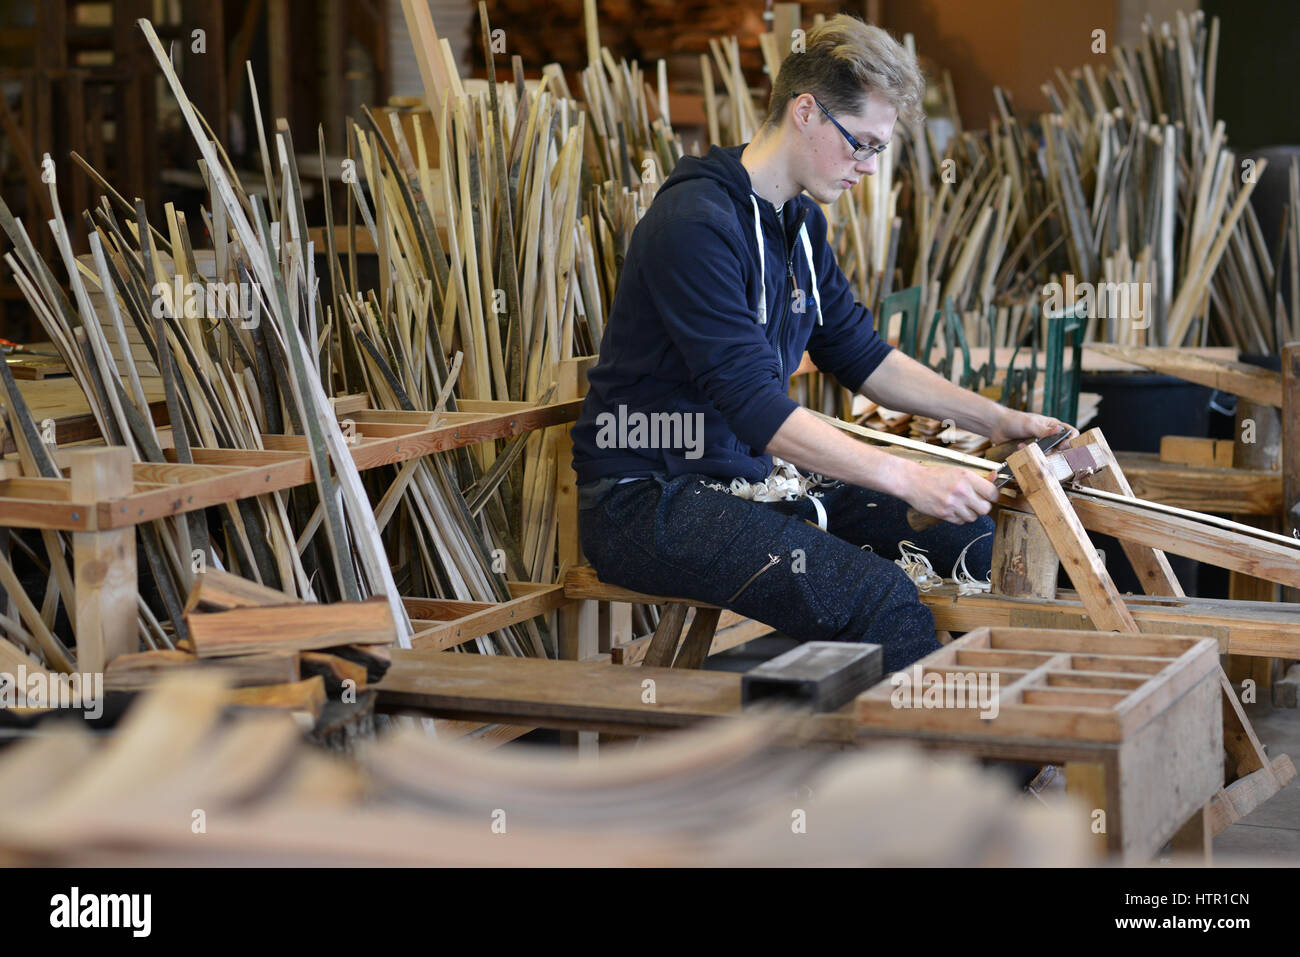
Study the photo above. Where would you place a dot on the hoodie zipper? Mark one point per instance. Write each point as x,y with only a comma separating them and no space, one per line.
789,271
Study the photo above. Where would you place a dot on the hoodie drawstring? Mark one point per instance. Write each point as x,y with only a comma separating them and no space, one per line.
762,266
812,270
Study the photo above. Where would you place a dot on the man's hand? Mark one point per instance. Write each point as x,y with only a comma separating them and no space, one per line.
1014,425
953,494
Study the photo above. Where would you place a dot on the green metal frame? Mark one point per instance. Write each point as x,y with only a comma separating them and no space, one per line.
907,303
1061,385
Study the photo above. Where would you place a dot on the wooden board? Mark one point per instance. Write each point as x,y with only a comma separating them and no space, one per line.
1226,491
217,590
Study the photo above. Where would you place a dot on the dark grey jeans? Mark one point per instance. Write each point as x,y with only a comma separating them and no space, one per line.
770,561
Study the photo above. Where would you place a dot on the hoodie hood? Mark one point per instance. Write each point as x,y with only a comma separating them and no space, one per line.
722,165
718,299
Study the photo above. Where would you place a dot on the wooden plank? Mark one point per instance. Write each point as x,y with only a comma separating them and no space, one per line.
634,651
1247,381
137,672
1227,491
1086,571
699,639
667,635
1024,561
1258,557
301,627
581,582
104,563
599,695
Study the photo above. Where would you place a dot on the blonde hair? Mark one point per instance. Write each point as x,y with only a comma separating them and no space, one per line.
843,61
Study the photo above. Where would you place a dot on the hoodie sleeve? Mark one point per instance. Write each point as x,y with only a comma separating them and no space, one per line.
694,278
846,344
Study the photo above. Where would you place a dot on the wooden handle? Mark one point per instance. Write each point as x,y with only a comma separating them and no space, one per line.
920,522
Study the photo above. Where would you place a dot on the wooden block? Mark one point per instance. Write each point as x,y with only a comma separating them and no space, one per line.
1024,561
217,590
821,675
376,659
307,695
333,669
300,627
1185,450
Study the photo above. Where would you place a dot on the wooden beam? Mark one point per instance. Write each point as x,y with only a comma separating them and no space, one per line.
482,620
1238,378
1024,561
1259,557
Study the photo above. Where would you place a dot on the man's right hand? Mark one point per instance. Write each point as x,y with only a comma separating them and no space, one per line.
953,494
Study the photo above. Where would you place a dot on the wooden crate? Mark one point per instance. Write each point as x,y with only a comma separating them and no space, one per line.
1136,720
1051,684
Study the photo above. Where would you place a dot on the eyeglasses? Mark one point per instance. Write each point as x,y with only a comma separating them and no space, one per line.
861,151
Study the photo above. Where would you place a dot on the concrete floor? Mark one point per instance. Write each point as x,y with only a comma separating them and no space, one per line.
1270,835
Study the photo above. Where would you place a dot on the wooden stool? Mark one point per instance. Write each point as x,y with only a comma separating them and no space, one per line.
581,583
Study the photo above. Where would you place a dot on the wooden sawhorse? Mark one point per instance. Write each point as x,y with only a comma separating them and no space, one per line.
1256,776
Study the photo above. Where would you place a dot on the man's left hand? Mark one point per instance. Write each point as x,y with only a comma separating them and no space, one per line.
1028,426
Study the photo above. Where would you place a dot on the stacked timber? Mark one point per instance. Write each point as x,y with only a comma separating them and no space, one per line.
714,796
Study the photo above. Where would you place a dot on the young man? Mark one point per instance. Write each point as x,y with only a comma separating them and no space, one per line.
728,279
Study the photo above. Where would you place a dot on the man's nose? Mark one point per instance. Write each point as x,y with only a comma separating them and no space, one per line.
866,167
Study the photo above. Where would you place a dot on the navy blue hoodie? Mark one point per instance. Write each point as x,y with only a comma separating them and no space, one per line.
690,332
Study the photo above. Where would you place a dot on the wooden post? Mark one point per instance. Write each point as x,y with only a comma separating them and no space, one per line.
577,623
1195,838
1290,446
1024,561
1262,424
105,572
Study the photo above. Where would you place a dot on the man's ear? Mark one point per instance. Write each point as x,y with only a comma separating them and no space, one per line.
802,110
